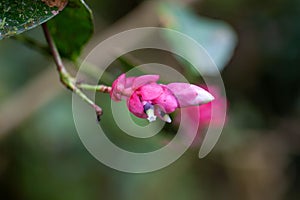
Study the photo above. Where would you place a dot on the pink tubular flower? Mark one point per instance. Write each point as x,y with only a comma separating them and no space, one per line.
148,99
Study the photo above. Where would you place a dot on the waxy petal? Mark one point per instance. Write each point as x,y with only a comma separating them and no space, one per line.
143,80
189,94
150,91
124,87
166,100
117,88
135,106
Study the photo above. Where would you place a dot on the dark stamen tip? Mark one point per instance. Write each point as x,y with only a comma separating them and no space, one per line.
148,106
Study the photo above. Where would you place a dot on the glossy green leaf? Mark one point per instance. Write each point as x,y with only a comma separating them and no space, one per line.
216,36
72,28
18,16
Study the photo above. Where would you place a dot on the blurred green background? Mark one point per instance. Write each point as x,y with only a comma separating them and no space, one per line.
256,157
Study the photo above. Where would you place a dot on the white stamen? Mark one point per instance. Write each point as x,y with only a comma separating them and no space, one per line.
167,118
150,114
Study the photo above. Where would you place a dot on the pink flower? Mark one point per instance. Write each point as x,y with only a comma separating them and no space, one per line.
148,99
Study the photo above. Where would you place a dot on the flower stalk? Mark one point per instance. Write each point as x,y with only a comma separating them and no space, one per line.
96,88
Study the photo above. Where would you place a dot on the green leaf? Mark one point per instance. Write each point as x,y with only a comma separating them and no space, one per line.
72,28
216,36
18,16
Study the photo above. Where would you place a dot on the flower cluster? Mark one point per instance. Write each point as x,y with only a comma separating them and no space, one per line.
148,99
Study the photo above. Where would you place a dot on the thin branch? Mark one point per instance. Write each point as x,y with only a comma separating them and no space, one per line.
57,59
65,77
96,88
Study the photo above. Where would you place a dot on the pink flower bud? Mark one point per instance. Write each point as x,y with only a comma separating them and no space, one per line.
148,99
